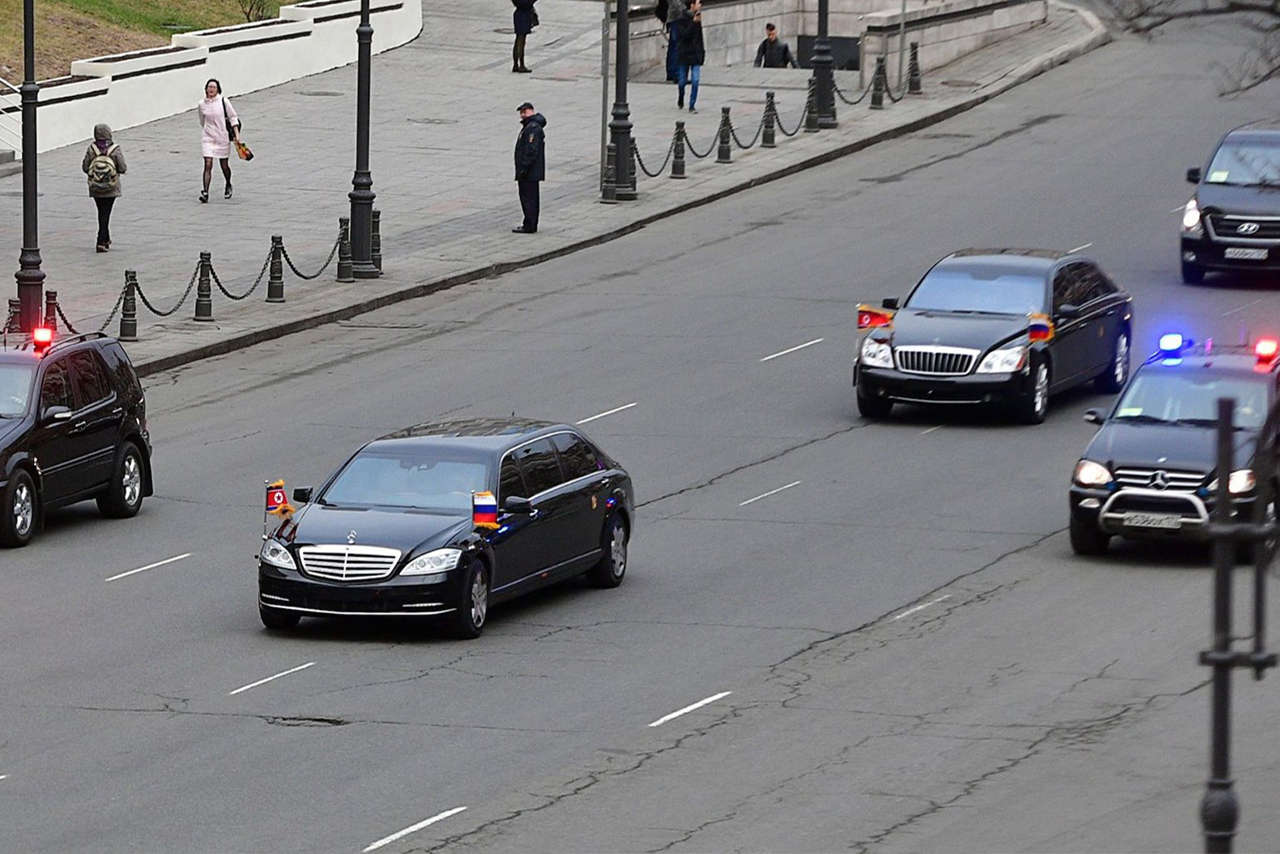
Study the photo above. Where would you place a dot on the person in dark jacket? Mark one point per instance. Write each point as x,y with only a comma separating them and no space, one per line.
104,164
674,15
531,165
690,54
525,18
773,53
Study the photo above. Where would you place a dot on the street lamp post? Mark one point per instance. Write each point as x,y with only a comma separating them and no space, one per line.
30,277
824,80
620,124
362,195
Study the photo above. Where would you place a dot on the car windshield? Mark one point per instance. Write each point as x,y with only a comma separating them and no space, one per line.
978,290
1246,164
435,480
1192,398
15,389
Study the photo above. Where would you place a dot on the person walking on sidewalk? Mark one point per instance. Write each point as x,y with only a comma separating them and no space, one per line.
104,164
690,54
531,165
675,10
221,125
773,53
525,18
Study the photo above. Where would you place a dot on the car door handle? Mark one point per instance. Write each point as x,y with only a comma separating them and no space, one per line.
119,410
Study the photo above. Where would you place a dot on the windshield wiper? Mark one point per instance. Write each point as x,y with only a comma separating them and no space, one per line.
1143,419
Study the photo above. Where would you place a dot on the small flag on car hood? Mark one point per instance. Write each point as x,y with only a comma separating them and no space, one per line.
484,510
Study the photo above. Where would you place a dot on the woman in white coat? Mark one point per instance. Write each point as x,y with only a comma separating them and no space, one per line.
221,126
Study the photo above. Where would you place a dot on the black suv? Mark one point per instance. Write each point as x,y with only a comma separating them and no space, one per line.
73,425
1232,223
1150,472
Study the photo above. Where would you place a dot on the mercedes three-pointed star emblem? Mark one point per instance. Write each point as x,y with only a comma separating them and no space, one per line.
1159,479
351,537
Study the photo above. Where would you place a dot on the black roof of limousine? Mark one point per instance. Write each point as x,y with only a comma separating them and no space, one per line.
481,433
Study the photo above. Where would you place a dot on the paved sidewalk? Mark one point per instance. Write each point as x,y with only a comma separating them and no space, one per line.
444,124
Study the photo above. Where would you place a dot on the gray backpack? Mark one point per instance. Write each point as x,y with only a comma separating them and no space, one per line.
104,179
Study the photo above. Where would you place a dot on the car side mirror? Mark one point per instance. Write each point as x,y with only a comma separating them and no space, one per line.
54,413
302,494
1093,416
1068,310
517,504
891,303
1193,175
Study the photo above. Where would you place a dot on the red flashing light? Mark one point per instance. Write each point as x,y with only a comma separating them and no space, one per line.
42,338
1266,349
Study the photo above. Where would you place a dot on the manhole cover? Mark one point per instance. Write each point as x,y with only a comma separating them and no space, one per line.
434,121
319,93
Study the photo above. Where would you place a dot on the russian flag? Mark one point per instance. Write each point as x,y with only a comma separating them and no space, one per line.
484,510
1039,328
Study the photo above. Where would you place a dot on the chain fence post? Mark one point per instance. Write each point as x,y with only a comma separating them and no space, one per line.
609,191
204,292
632,169
129,309
275,277
879,83
811,108
12,323
723,154
768,140
913,71
677,154
376,254
345,273
51,310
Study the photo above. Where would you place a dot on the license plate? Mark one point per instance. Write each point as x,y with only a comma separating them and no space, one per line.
1170,521
1245,254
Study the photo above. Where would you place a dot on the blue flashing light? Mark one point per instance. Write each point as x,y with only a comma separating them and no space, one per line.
1171,342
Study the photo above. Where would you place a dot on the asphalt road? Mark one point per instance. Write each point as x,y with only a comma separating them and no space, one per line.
913,658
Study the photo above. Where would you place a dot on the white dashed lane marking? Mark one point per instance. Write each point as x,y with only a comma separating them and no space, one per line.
770,492
687,709
400,834
793,349
270,678
603,414
911,611
149,566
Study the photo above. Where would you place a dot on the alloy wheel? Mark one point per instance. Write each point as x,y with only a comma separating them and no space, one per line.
131,480
618,550
1041,399
479,598
23,510
1121,371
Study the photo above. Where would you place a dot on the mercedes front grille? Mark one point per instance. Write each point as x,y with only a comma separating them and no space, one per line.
348,563
1161,479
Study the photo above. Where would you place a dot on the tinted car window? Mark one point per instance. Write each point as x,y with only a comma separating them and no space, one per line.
1070,286
1187,397
420,479
15,388
954,289
56,388
509,481
538,462
90,376
575,455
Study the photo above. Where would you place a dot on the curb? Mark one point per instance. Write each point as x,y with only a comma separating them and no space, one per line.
1035,67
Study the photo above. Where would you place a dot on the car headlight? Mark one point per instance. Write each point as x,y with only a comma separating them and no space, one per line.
1241,481
433,563
1191,219
275,553
1089,473
876,354
1005,361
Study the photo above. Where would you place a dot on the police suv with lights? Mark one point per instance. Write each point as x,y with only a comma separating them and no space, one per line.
73,426
1149,473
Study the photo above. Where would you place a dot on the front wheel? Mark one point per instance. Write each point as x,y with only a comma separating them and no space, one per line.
873,407
123,497
20,508
1191,274
1117,373
1033,408
612,567
473,606
1087,539
277,620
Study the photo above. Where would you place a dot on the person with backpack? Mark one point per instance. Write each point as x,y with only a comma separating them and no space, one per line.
104,164
221,125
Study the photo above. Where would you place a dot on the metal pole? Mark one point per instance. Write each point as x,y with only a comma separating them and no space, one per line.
1219,811
30,277
604,90
902,39
823,76
362,195
620,125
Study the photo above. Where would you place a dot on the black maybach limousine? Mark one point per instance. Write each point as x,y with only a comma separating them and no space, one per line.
392,532
1007,327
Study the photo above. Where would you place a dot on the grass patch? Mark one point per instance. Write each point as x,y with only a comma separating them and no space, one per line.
67,30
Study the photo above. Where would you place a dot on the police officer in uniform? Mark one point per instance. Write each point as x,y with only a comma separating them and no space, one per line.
531,165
